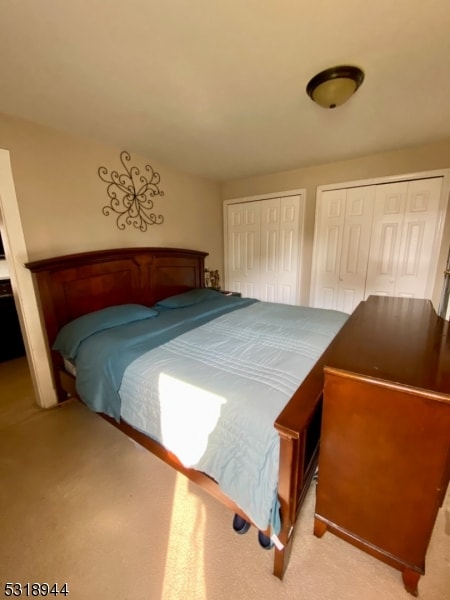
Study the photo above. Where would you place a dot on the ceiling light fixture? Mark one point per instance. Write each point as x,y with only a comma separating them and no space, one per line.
333,87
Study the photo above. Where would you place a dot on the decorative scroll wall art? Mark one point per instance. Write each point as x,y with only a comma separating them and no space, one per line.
131,195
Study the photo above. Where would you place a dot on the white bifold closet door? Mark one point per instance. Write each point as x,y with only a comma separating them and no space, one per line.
377,239
262,249
244,241
403,238
342,247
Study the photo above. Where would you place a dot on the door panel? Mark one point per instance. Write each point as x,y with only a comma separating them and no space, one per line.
243,248
328,247
355,247
279,249
289,250
390,251
388,217
269,250
263,248
415,268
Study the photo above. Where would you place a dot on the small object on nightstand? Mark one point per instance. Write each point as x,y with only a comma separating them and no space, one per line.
227,293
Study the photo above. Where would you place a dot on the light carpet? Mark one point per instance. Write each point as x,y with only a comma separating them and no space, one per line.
82,504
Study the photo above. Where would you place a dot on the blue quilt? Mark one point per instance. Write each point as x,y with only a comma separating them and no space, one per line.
207,380
102,358
212,395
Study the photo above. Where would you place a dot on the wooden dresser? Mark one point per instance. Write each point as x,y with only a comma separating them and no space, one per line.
384,462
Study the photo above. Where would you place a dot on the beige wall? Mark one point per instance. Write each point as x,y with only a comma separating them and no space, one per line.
52,204
60,197
408,160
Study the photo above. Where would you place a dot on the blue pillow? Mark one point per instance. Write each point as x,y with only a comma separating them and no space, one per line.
72,334
188,298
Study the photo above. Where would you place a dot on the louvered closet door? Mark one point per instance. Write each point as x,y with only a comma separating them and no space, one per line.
279,253
244,239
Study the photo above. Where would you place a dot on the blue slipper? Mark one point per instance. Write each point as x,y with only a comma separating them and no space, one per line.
264,541
240,525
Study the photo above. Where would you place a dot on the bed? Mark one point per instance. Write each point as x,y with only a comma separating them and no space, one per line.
198,345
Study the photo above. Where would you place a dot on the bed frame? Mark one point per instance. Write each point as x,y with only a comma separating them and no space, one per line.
73,285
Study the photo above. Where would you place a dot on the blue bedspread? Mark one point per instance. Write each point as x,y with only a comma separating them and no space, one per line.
207,381
102,358
212,395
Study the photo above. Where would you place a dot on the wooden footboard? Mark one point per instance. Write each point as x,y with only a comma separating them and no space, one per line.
299,428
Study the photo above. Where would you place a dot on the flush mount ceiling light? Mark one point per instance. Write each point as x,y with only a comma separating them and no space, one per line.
333,87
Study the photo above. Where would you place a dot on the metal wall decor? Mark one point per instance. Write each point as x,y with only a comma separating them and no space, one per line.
131,195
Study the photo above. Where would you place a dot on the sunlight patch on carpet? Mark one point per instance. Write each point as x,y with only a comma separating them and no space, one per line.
184,575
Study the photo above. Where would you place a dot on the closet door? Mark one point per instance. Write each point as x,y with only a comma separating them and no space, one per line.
328,247
279,254
263,243
406,220
355,247
388,217
342,247
269,249
290,250
416,269
244,240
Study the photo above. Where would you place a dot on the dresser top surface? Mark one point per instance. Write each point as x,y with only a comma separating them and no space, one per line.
399,340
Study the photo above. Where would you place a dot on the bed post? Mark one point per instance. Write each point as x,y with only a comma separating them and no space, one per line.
287,486
298,426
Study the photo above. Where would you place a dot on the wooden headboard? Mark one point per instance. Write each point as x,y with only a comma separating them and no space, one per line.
73,285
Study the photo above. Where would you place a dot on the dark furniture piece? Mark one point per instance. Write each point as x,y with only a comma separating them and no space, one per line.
384,462
11,344
70,286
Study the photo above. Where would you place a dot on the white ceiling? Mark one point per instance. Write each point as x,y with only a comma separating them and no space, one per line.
217,87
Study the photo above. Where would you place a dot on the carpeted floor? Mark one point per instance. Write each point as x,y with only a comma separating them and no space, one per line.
81,504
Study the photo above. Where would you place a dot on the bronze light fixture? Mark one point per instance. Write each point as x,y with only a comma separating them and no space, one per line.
334,86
